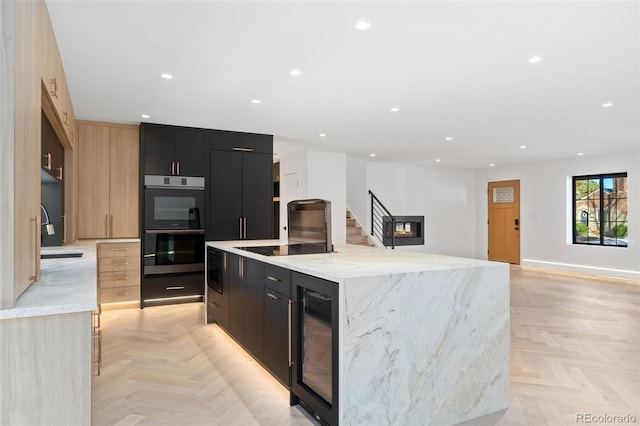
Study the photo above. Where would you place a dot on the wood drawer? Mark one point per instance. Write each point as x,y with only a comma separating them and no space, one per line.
120,294
110,250
119,278
118,265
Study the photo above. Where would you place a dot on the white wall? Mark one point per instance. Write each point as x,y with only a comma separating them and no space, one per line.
545,208
319,175
446,197
357,195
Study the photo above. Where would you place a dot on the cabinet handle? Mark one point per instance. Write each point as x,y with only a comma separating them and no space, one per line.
73,136
97,363
273,296
64,228
66,118
224,261
176,287
173,168
240,229
270,278
121,278
54,86
48,164
242,149
95,318
245,227
289,320
125,250
178,168
110,225
106,224
60,173
119,263
36,249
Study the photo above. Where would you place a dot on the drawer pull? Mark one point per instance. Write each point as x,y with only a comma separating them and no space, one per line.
177,287
119,263
273,296
120,249
214,305
270,278
121,278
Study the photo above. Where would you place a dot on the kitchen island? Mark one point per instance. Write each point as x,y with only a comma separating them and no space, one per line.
422,339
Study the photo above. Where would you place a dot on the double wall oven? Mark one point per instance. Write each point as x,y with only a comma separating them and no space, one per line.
173,243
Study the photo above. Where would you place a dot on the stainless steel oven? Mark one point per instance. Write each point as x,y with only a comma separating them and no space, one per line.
173,251
173,202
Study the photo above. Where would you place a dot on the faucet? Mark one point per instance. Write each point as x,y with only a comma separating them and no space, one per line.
49,226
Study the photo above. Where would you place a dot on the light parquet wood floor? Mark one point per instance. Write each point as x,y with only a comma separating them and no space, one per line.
575,349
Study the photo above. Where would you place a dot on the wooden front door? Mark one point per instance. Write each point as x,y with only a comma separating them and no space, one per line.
504,221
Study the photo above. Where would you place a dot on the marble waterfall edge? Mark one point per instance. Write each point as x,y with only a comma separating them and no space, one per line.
424,348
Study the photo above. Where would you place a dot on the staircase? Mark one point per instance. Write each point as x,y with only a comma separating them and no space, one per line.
355,235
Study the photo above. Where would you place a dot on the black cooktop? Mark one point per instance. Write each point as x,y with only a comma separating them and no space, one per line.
287,249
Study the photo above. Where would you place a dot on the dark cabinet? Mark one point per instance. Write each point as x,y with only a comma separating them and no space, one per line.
170,150
240,196
277,314
245,302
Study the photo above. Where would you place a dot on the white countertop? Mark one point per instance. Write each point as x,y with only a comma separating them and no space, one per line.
66,285
350,261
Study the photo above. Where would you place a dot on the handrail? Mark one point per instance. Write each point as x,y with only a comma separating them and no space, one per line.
378,211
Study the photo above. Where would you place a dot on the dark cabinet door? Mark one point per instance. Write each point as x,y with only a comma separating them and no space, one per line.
257,195
225,196
236,298
190,153
276,334
226,299
253,273
159,149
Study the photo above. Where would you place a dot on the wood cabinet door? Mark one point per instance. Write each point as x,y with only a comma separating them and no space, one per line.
124,167
225,196
23,175
159,149
93,181
257,195
190,153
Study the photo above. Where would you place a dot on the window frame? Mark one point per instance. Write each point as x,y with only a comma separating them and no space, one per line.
600,177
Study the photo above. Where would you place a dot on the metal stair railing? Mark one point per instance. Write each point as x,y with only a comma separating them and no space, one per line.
378,214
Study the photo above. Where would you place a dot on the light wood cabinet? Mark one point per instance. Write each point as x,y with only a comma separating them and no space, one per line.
118,272
19,148
108,189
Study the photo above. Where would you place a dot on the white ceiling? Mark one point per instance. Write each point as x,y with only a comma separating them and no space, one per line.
454,69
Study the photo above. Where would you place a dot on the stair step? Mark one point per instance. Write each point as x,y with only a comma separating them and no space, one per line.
354,230
357,239
351,222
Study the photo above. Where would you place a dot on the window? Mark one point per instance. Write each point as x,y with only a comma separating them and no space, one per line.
600,213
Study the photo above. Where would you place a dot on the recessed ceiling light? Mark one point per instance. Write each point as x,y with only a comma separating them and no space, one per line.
255,101
581,153
523,147
607,105
295,73
362,25
322,135
437,160
448,139
145,116
395,109
535,59
166,76
372,155
491,164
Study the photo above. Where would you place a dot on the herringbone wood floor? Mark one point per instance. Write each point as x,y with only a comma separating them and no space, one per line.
574,350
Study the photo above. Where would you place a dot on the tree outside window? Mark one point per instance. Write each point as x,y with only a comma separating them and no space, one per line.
600,213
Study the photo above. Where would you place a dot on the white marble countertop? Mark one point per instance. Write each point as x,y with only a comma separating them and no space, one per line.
351,261
66,285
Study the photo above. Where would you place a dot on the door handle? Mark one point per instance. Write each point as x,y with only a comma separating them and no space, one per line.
173,168
245,227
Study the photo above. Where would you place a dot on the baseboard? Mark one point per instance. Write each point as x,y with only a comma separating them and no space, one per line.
592,270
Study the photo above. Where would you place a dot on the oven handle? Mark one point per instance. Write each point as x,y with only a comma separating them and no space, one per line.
174,231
